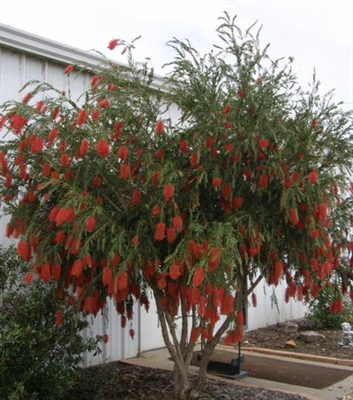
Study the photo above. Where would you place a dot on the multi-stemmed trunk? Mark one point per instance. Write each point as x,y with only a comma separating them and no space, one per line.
181,351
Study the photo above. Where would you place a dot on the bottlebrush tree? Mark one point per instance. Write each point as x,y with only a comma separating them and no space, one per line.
110,198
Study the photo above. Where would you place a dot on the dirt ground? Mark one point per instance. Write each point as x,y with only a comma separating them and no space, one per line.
125,382
277,336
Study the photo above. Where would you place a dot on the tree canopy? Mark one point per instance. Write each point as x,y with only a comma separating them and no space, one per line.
110,197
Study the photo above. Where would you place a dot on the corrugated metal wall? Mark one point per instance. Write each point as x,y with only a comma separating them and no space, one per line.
16,68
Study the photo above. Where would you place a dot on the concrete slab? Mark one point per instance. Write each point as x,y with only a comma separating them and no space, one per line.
343,390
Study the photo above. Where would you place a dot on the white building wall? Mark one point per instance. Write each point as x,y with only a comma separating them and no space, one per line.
25,57
271,307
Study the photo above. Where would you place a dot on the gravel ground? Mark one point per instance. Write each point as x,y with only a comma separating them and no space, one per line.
118,381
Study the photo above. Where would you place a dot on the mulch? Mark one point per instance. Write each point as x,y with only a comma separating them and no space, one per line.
282,370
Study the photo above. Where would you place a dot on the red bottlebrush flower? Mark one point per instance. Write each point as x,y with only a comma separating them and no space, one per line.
195,295
240,318
198,276
313,177
65,160
8,181
160,229
27,98
68,69
103,148
215,258
59,237
45,273
263,181
104,103
237,202
64,215
183,146
216,182
24,250
159,127
105,338
95,114
28,278
227,306
96,181
171,235
136,196
174,271
322,211
2,121
160,154
156,210
37,145
122,152
161,282
278,270
155,177
58,318
123,279
107,276
259,81
53,134
226,109
55,272
118,127
22,172
94,81
263,143
226,190
124,171
84,147
247,173
194,160
293,216
135,240
46,169
90,224
228,147
209,142
77,268
253,299
112,44
82,117
228,125
19,160
235,158
315,233
177,222
168,191
131,333
240,93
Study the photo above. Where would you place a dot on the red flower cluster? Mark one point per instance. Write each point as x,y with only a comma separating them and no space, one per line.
103,148
168,191
112,44
90,224
159,127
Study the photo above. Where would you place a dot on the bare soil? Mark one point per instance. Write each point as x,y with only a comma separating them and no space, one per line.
276,337
121,381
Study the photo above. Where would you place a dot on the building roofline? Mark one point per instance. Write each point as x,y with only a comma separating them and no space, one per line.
25,42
